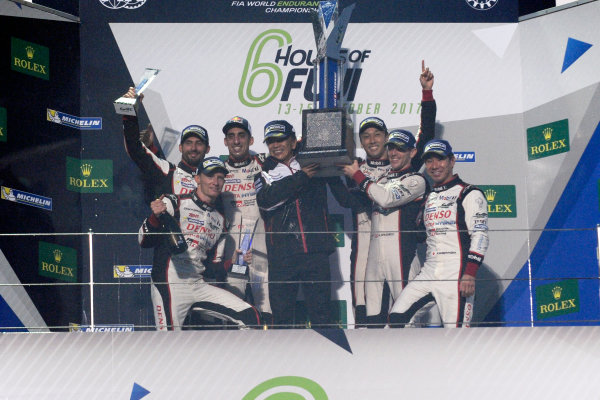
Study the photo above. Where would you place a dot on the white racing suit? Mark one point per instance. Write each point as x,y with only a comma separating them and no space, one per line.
397,198
455,219
373,170
177,281
242,214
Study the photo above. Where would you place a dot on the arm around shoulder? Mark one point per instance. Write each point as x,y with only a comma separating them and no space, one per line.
399,191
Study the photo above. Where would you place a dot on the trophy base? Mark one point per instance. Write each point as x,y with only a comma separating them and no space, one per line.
126,106
328,161
237,279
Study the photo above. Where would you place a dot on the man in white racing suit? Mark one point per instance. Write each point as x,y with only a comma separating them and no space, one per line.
397,198
455,220
243,215
159,175
177,272
373,136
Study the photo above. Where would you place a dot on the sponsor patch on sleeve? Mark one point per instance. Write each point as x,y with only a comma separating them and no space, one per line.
257,184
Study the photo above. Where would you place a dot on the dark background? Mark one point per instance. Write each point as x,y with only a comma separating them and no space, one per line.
33,160
72,6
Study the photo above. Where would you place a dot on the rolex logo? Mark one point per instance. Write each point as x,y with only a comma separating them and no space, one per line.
86,170
557,298
57,262
490,195
87,176
30,51
556,292
30,58
548,139
57,255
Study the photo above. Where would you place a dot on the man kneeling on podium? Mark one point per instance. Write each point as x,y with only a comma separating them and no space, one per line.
196,230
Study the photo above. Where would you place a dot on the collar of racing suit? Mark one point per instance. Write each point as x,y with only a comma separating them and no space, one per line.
396,174
454,181
203,205
239,164
188,168
377,163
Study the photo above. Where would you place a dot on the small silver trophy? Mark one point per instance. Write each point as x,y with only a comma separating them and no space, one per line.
128,106
239,275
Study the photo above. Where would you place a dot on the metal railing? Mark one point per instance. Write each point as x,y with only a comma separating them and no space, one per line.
95,287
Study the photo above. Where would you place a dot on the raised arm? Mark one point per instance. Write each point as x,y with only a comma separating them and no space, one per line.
428,112
146,160
152,224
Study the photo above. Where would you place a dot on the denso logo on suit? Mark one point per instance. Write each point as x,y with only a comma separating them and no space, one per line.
438,215
238,187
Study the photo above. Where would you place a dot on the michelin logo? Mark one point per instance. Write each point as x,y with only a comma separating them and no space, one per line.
61,118
132,271
464,156
29,199
101,328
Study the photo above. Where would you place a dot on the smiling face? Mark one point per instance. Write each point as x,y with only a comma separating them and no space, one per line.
373,141
238,142
439,168
209,186
193,149
400,157
282,149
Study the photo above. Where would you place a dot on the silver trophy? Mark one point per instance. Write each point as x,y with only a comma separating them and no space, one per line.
129,106
327,139
327,134
239,275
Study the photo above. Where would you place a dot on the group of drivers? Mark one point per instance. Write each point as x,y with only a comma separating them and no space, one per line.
283,207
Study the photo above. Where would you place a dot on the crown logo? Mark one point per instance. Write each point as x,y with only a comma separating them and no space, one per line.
490,195
30,51
556,292
57,255
86,170
547,133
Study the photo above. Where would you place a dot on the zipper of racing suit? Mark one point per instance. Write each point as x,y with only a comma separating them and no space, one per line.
301,227
403,283
299,216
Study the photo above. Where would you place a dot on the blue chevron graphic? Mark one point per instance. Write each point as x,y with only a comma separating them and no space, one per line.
575,49
337,336
560,251
8,318
138,392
